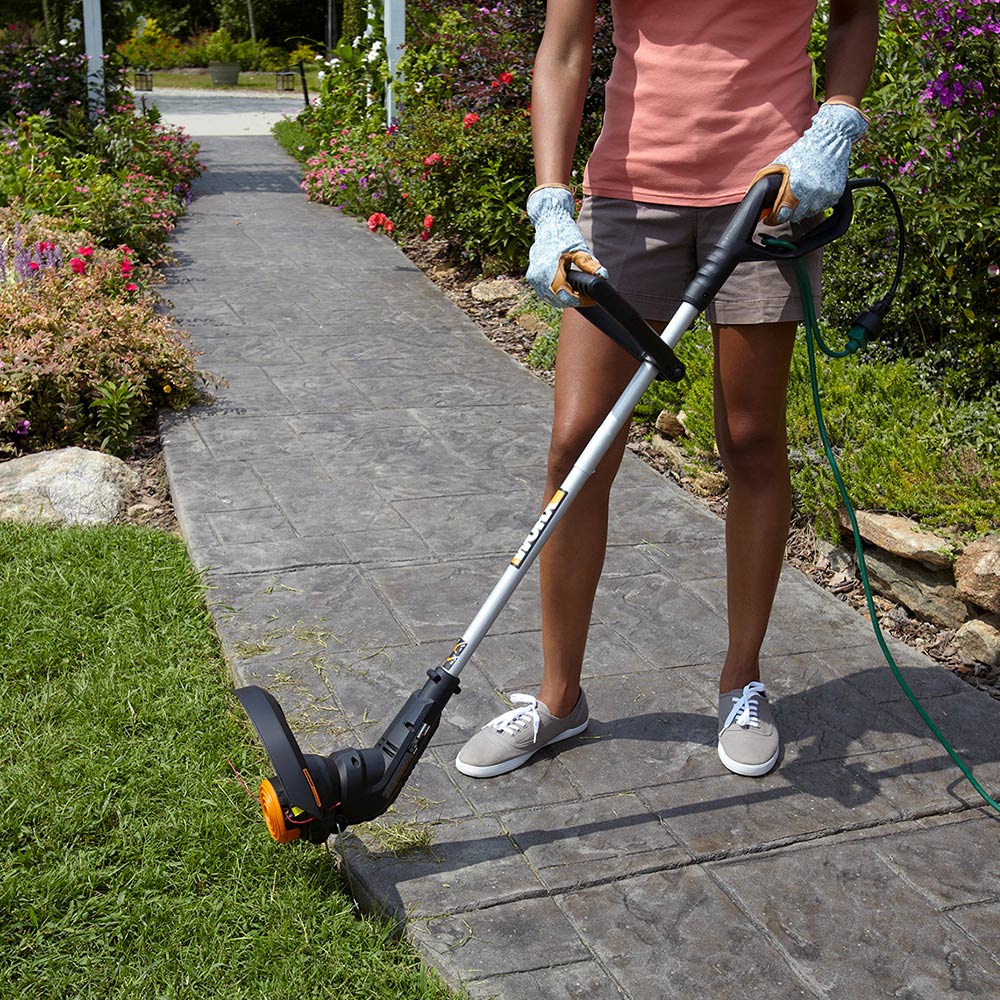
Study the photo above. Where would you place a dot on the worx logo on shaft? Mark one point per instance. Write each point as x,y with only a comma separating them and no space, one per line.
529,543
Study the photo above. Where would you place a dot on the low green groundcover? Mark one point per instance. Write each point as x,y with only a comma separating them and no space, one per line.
131,862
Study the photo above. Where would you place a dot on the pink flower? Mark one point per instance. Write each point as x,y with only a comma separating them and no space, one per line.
390,226
85,251
430,161
33,266
78,264
131,287
126,268
470,119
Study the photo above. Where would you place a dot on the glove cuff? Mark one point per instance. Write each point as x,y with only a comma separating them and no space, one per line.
843,118
550,202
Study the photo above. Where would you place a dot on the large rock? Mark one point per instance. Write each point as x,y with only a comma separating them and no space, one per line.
69,486
977,572
929,594
979,641
902,537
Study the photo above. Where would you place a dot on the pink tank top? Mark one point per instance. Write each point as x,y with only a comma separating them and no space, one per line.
703,93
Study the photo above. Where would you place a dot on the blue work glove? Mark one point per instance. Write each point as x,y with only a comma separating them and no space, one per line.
816,165
557,238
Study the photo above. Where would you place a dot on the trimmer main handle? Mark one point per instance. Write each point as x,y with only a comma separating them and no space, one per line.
620,321
737,243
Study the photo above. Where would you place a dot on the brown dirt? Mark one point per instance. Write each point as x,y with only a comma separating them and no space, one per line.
149,505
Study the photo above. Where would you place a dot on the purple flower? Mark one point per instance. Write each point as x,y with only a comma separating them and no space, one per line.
22,427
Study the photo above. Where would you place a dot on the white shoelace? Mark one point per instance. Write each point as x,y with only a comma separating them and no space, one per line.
516,719
744,709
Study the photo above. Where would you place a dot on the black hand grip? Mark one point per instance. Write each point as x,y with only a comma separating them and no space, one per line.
737,242
618,319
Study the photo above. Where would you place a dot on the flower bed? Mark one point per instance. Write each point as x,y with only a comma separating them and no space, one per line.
86,208
85,358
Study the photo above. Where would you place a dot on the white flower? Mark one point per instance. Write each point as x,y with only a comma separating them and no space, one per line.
74,24
418,87
321,75
64,41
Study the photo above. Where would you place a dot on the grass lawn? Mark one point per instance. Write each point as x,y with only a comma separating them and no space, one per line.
132,864
199,79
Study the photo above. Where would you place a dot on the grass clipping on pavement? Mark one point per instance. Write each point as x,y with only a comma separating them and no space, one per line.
131,862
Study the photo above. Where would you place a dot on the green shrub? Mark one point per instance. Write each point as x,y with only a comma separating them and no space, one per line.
221,47
902,446
126,180
149,47
260,56
459,153
935,99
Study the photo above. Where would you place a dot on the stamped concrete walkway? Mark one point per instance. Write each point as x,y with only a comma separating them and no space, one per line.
352,496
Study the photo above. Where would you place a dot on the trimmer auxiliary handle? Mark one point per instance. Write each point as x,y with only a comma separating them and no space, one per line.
312,796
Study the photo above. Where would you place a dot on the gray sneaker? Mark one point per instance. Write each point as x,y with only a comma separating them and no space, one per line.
511,739
748,737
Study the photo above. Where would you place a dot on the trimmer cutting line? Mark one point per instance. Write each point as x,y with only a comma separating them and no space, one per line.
312,796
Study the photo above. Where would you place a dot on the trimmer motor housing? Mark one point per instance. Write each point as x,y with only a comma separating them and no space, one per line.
313,796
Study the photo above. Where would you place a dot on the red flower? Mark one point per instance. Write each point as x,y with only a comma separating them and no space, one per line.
78,264
390,226
506,77
430,161
425,235
85,251
32,266
126,268
428,221
470,119
376,219
131,287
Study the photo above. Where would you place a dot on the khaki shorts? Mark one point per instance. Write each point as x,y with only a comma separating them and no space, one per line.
652,252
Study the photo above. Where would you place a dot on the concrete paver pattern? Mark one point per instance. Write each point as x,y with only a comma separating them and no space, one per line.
353,495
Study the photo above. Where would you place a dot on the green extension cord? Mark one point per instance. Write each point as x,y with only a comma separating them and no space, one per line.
857,339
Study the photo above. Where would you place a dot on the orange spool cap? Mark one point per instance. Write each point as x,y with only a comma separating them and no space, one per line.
274,815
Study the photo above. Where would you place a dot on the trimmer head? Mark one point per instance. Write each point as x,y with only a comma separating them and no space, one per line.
301,799
311,797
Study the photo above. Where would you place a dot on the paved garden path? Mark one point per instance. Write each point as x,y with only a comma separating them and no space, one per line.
352,496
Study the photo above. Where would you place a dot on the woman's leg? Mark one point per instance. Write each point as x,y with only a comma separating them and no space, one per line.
591,373
751,379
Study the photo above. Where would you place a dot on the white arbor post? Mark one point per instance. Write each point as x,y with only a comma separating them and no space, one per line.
93,36
394,21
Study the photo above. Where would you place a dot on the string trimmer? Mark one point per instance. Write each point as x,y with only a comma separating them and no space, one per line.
312,796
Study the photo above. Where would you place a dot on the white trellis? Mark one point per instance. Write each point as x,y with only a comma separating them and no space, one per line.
394,25
93,36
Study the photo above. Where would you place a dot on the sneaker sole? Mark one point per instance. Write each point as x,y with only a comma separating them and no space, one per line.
492,770
748,770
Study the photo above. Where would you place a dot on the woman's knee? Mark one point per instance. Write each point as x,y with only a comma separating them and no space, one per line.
752,450
570,436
